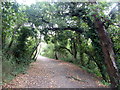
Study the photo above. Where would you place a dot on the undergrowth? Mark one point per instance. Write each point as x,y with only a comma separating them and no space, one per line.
11,69
93,70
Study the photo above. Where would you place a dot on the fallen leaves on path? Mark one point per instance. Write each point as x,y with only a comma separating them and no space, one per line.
50,73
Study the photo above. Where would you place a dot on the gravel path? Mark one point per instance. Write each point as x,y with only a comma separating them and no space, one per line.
50,73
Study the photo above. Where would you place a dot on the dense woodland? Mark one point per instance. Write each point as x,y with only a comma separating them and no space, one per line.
86,34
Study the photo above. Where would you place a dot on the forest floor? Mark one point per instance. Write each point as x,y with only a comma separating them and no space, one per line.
51,73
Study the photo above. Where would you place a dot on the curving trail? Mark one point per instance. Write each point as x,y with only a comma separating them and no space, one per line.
50,73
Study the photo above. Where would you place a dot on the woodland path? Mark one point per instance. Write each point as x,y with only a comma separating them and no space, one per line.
50,73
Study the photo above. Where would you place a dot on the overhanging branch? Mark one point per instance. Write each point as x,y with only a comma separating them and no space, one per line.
67,28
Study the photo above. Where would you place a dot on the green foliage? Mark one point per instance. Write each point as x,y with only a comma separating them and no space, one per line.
105,83
114,34
10,69
48,51
18,40
21,46
83,48
67,27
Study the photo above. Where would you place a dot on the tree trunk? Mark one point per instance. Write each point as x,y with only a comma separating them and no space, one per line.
56,56
99,63
34,51
102,69
81,58
34,57
11,42
107,49
81,49
108,52
74,49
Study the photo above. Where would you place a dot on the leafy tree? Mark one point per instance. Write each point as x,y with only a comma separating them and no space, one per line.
69,16
74,29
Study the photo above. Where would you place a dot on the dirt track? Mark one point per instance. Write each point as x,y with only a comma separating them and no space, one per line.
50,73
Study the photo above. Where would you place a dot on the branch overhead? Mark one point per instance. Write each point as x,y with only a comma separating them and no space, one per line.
67,28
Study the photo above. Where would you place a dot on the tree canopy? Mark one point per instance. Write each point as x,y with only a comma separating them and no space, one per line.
85,32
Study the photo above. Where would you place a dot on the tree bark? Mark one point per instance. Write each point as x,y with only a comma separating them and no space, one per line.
107,49
108,52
